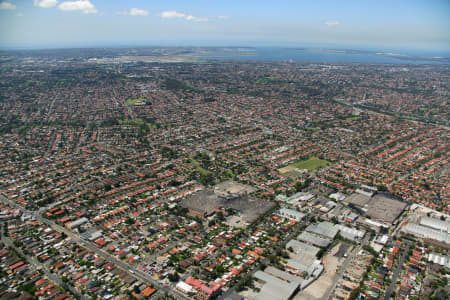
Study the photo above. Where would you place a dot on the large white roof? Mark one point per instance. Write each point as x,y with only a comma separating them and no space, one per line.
427,232
435,223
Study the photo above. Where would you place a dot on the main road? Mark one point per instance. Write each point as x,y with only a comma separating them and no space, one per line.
39,266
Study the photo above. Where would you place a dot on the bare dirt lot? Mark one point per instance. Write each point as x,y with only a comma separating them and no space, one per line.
317,289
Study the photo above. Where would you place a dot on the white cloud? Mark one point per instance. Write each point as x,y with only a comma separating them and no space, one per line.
196,19
82,5
223,17
332,23
138,12
133,12
7,6
173,14
45,3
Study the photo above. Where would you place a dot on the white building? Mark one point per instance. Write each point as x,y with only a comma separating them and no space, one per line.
337,196
185,288
276,284
435,223
291,214
352,234
439,259
427,232
77,223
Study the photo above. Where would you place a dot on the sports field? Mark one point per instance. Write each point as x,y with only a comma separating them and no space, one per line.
136,101
310,164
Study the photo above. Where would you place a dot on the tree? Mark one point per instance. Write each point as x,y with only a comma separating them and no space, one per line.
220,216
219,270
168,152
173,277
320,253
30,288
239,287
354,294
129,221
206,179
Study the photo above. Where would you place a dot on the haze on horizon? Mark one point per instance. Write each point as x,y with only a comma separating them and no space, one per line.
403,24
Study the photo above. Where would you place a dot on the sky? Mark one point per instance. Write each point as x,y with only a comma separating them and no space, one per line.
402,24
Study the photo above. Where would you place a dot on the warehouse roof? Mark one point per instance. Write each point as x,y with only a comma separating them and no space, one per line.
277,286
78,222
427,232
291,214
301,261
298,246
435,223
439,259
325,229
313,239
351,233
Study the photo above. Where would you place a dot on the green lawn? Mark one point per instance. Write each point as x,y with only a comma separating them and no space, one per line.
135,122
196,165
138,122
136,101
311,164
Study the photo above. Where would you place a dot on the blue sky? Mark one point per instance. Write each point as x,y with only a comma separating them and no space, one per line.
403,24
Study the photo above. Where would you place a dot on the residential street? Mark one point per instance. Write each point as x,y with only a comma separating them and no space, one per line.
122,265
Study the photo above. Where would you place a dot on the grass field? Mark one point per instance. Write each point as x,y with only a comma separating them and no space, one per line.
136,101
138,122
311,164
196,165
135,122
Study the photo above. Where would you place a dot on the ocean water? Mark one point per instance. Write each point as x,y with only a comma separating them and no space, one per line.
322,56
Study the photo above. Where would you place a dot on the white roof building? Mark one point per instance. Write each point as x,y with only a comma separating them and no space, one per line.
298,247
439,259
382,240
294,199
362,192
337,196
77,223
313,239
426,232
184,287
324,229
291,214
435,223
351,233
278,285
